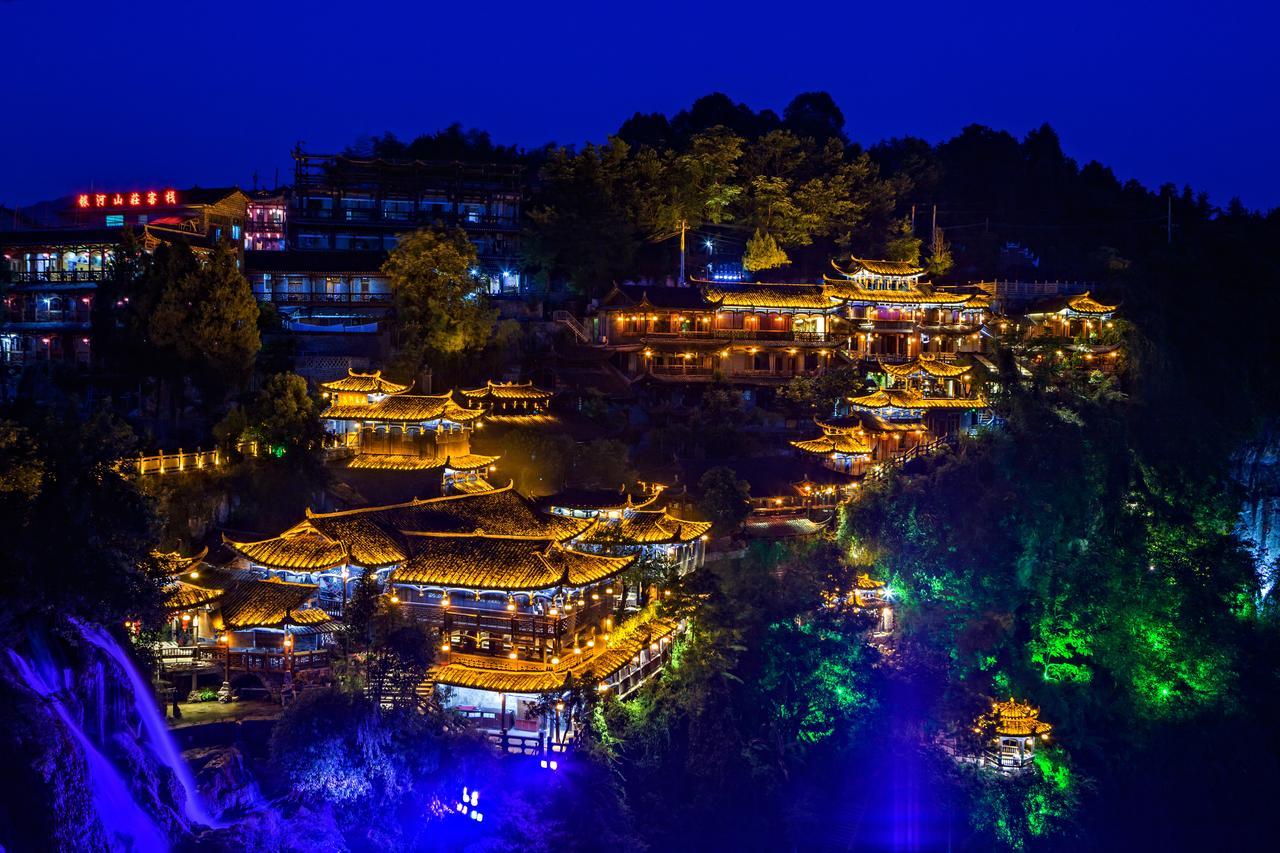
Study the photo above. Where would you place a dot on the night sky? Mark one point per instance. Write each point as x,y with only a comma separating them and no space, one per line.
122,95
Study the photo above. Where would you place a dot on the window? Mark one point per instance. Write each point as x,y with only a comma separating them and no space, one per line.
115,220
313,241
235,232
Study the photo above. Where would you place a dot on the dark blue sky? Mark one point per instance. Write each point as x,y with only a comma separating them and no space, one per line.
120,95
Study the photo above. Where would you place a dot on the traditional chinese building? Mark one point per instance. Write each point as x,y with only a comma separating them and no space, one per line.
53,269
756,333
507,399
1081,316
633,524
1013,729
896,315
518,608
390,429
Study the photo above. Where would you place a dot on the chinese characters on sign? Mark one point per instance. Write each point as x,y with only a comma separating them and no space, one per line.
150,198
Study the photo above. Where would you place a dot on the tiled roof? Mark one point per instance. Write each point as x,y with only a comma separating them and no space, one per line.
501,563
925,363
265,603
852,292
769,296
500,674
648,527
1017,719
905,398
471,487
1085,304
855,265
784,527
369,383
598,499
297,548
376,536
395,462
851,443
508,391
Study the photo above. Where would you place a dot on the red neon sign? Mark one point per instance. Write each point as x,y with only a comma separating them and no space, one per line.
149,198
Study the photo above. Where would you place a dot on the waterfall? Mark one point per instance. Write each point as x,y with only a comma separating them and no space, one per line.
121,816
157,735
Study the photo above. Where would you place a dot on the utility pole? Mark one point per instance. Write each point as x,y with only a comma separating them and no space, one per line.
1168,220
934,232
684,224
913,219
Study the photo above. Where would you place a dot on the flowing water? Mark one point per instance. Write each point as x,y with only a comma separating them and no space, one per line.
124,820
155,733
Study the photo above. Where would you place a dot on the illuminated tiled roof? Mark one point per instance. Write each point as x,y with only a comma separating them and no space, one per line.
367,383
265,604
195,587
395,462
906,398
1084,304
853,266
503,675
508,391
600,499
768,296
851,291
1016,719
500,563
866,582
471,487
785,527
850,443
375,537
298,548
925,363
648,527
398,462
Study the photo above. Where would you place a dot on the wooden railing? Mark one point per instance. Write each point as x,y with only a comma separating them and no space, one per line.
194,460
243,660
882,469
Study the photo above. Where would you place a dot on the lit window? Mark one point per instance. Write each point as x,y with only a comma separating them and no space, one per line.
115,220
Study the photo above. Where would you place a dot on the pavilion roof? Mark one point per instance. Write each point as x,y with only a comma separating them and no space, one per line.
850,442
1017,719
851,291
647,527
598,499
374,537
852,266
507,391
267,603
768,295
1085,304
907,398
499,674
503,563
927,364
368,383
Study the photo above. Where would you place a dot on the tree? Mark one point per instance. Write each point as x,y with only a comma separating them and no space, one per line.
441,310
78,533
903,245
210,318
815,114
940,261
726,500
763,253
284,414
